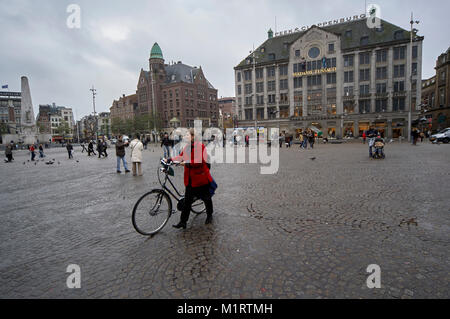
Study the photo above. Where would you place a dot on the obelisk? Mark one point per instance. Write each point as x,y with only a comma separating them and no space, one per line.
28,122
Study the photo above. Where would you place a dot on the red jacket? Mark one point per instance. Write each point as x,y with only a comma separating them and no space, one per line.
196,170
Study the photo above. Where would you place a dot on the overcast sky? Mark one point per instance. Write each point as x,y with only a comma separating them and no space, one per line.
115,39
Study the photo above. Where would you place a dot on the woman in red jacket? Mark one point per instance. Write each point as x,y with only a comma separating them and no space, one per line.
196,178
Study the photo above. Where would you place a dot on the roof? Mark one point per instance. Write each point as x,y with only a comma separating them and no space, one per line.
180,72
156,52
359,28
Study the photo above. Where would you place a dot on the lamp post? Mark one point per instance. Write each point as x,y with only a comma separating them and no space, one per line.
94,93
412,22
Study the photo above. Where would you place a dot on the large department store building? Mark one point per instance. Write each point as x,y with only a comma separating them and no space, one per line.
338,77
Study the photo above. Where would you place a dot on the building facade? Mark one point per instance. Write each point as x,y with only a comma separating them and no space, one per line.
176,93
436,95
10,112
51,117
124,108
339,79
227,109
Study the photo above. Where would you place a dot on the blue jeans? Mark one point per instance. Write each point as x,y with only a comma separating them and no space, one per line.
167,151
124,163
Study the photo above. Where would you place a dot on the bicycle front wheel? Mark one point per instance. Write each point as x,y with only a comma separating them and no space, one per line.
151,212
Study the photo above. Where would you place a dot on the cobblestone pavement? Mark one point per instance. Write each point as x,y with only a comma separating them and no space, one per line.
310,231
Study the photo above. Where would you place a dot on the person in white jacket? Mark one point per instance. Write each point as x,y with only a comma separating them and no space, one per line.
136,147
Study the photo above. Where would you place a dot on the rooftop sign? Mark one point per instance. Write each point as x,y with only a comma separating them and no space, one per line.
323,24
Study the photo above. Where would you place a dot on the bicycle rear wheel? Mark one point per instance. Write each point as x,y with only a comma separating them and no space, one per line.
151,212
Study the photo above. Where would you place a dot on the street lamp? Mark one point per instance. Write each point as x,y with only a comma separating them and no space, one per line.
94,93
413,31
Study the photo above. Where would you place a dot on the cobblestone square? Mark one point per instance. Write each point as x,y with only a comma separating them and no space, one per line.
309,231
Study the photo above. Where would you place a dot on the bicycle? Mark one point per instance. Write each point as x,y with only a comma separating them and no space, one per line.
153,210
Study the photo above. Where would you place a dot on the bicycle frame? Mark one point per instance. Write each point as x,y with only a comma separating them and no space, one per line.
165,188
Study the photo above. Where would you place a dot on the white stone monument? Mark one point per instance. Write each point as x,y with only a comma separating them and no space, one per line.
28,131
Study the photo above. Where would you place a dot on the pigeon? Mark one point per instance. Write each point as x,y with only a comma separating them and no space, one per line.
78,161
35,163
23,163
49,163
312,158
59,163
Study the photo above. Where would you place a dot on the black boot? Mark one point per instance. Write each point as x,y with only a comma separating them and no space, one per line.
180,225
208,220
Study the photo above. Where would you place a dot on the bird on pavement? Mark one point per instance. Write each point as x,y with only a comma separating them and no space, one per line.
312,158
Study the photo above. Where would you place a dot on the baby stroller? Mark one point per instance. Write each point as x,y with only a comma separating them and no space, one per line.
378,149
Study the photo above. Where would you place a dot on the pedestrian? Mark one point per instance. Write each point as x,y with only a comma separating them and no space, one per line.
422,136
104,147
281,140
305,139
311,138
197,178
372,133
300,137
99,148
83,147
364,136
120,153
247,140
166,145
136,154
41,151
8,153
33,154
90,148
69,148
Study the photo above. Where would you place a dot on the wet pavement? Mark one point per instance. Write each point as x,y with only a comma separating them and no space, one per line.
309,231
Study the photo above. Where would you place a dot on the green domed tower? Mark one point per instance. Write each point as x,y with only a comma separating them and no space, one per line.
156,52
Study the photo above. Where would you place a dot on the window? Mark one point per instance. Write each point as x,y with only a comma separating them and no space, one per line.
271,98
299,67
348,77
364,75
271,56
398,35
381,88
441,97
248,75
381,55
348,90
331,47
298,83
284,84
398,104
364,106
400,53
364,58
248,89
399,86
348,60
249,100
259,99
381,73
259,73
271,71
283,70
331,63
297,53
399,71
239,76
364,40
239,89
259,87
284,98
249,114
414,69
331,78
313,52
314,80
364,89
381,105
348,33
414,52
270,86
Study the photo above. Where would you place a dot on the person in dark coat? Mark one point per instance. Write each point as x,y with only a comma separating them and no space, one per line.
104,147
99,148
69,148
120,153
91,148
8,153
196,178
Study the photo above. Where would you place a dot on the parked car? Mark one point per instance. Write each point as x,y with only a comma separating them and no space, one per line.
442,136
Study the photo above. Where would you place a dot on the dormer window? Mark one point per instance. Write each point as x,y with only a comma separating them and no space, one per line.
348,33
365,40
271,56
263,49
398,35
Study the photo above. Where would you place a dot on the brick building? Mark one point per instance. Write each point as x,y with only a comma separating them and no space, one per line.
124,108
177,93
